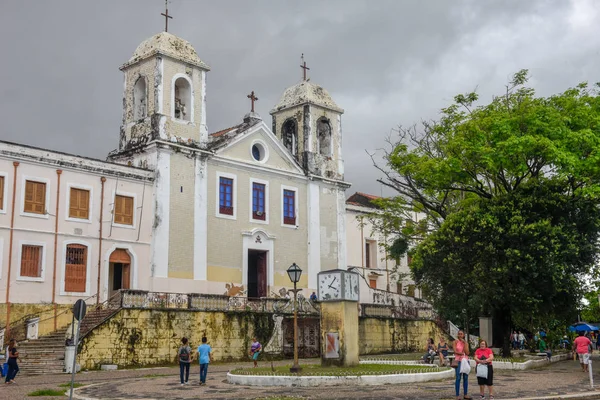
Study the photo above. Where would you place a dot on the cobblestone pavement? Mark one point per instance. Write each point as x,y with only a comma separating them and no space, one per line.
163,383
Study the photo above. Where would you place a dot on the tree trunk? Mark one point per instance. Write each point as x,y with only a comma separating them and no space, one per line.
502,330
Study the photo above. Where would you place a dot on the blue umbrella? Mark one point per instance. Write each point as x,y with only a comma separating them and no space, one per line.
583,326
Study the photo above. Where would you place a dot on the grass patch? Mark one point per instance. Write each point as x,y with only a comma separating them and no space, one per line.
68,385
318,370
48,392
396,357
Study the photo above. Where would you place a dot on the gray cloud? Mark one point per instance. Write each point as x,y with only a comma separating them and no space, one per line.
385,62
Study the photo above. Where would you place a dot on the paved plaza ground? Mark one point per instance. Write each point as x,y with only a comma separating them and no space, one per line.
163,383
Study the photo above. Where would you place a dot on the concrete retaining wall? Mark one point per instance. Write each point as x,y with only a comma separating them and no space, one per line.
307,381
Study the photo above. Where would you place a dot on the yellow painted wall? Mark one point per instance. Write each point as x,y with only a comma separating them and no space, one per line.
151,337
380,335
181,217
341,317
44,311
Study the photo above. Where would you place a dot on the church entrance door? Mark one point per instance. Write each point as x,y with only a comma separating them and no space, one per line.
257,273
119,271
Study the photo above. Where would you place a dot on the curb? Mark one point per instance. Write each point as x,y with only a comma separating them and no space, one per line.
572,396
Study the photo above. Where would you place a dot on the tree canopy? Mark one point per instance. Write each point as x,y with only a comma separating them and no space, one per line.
509,193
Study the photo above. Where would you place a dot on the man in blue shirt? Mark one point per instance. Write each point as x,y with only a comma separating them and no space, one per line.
204,357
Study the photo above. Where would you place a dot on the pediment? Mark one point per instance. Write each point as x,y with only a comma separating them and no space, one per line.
259,142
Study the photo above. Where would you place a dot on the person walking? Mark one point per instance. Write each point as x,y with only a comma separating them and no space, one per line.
185,358
514,339
255,350
13,367
483,358
442,349
581,345
461,353
204,358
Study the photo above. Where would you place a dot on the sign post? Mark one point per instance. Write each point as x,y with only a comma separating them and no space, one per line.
79,309
591,376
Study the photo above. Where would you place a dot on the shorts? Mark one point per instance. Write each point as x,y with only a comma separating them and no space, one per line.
489,381
255,355
584,358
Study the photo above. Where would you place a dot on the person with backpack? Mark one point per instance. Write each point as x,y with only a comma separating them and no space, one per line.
204,357
185,358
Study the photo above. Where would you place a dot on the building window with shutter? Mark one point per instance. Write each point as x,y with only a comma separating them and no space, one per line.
289,207
123,214
31,261
35,197
225,196
258,201
373,283
2,193
76,268
79,203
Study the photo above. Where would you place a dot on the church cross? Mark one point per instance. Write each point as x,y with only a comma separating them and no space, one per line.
304,67
252,98
167,16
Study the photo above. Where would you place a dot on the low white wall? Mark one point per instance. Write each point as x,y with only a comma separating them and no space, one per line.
307,381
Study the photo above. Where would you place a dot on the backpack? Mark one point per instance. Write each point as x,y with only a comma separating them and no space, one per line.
184,354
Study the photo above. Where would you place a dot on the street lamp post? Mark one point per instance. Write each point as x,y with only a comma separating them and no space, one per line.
294,273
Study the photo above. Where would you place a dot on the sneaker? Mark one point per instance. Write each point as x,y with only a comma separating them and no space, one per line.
482,397
182,384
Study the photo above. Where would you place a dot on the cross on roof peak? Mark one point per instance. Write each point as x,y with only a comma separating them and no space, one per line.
252,98
166,15
304,67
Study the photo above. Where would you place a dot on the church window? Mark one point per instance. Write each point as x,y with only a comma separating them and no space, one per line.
76,268
259,151
79,203
258,201
123,212
31,261
182,99
324,137
289,207
35,197
139,99
226,196
1,193
289,136
256,152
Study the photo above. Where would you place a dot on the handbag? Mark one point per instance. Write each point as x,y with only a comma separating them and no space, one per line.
454,363
482,371
465,366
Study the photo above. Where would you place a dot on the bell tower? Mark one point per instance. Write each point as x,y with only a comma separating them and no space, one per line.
164,94
164,129
309,123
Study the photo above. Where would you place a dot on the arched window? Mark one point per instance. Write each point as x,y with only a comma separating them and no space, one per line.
182,99
139,99
289,135
324,137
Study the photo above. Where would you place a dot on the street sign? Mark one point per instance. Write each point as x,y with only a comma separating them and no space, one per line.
79,309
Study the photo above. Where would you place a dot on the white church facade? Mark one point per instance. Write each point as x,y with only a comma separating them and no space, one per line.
174,208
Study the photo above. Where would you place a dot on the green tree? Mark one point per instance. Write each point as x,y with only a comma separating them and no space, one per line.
478,172
590,312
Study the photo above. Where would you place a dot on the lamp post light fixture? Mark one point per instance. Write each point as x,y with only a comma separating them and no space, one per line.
294,273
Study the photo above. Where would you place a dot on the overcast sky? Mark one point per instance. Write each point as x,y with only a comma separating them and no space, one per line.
385,62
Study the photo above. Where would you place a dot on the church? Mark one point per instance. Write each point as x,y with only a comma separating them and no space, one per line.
175,208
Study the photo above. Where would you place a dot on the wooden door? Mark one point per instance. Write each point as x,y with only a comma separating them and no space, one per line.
261,269
125,276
